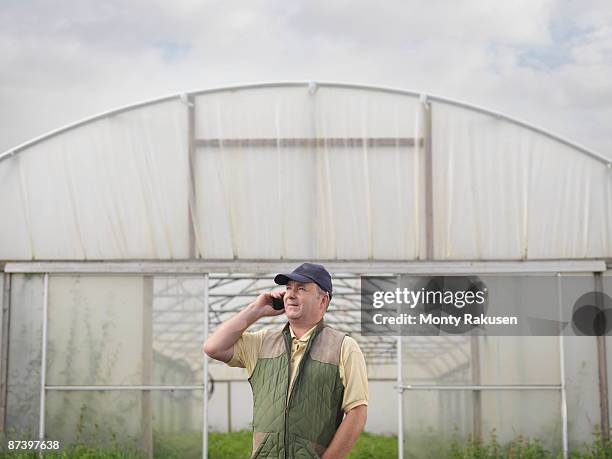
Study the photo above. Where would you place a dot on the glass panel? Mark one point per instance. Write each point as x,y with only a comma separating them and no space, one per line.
581,368
218,407
177,424
95,418
519,360
242,406
449,359
444,360
433,419
24,359
436,421
178,330
436,360
607,288
527,413
383,400
581,377
241,402
95,332
168,422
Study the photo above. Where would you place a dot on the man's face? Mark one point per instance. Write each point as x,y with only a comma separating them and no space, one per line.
304,302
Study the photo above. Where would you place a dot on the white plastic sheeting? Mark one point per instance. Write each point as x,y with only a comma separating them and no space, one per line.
338,199
114,188
502,191
299,171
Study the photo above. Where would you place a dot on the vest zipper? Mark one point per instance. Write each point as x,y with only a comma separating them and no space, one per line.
299,371
288,346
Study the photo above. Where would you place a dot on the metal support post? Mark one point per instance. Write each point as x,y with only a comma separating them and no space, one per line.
476,395
400,404
562,371
205,375
4,345
400,395
429,215
43,360
229,406
604,407
147,366
192,211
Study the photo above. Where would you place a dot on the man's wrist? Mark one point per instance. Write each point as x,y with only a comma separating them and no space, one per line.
252,314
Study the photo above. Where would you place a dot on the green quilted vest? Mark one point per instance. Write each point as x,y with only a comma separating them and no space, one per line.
304,425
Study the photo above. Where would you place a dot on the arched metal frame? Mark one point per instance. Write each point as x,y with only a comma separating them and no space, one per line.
184,96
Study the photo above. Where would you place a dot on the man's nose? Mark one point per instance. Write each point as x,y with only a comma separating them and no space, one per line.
290,294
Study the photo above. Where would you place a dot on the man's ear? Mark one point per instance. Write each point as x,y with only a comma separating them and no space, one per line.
324,299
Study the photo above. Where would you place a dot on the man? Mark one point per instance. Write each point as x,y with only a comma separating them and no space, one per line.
309,381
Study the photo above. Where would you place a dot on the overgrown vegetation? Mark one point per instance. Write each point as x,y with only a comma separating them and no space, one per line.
523,448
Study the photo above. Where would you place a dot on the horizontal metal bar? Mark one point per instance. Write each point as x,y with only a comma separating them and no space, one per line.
185,343
159,312
247,295
96,388
487,387
379,267
217,276
305,142
235,295
244,380
162,388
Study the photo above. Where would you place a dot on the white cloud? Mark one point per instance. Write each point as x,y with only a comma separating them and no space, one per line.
548,62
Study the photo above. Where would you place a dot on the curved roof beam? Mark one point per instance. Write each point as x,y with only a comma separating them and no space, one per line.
312,87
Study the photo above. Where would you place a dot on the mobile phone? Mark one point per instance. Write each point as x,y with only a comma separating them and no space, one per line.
277,303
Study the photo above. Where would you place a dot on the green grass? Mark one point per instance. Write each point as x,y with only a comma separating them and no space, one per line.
220,446
521,447
238,445
368,446
371,446
230,445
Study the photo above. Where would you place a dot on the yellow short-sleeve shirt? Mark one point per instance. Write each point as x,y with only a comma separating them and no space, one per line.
352,367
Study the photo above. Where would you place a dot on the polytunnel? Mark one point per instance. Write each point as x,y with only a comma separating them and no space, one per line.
128,236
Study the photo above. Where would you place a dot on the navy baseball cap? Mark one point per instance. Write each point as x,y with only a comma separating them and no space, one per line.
308,272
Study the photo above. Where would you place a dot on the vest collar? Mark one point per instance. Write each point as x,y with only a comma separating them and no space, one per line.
305,337
308,335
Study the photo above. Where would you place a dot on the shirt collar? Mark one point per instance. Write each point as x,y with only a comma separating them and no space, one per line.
305,337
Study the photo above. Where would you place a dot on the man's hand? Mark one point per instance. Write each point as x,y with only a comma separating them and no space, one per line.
347,434
263,304
220,345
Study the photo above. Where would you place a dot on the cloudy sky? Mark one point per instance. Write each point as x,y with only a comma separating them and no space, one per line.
547,62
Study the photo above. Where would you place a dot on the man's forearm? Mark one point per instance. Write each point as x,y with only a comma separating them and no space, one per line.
347,434
220,344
